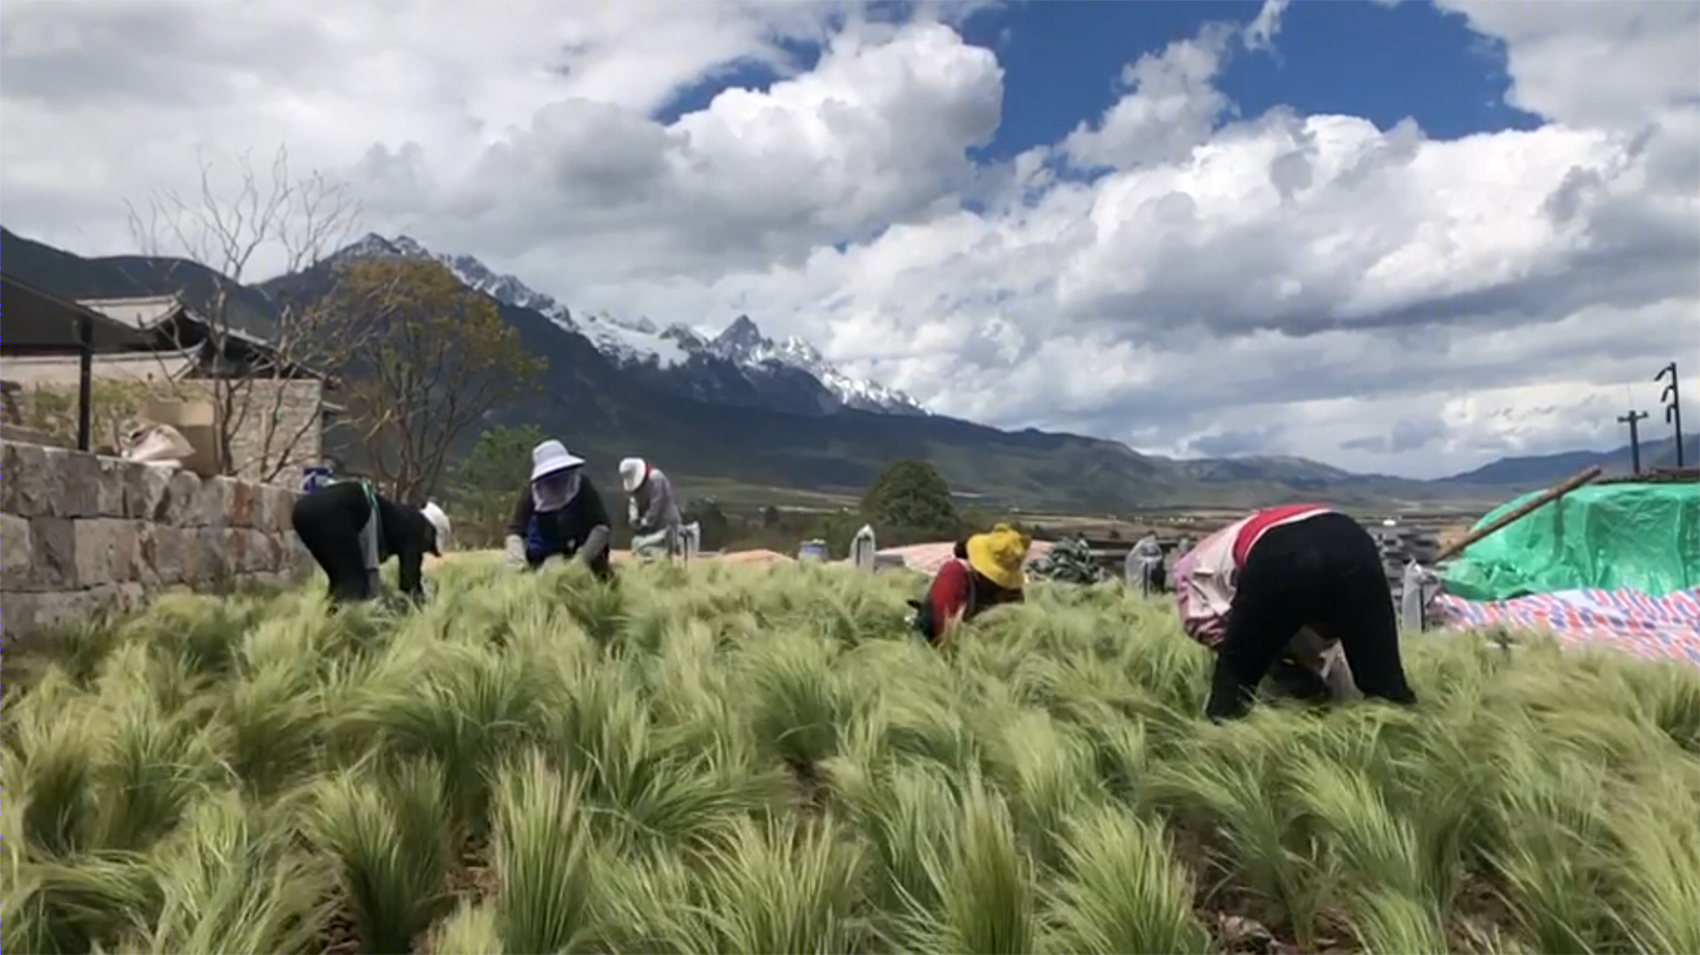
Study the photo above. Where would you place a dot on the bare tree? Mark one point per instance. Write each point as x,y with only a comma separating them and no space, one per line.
254,357
435,357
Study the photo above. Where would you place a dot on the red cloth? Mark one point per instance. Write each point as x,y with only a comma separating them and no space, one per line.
949,592
1263,520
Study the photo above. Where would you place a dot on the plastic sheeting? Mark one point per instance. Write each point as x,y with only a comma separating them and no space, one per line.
1635,537
1653,628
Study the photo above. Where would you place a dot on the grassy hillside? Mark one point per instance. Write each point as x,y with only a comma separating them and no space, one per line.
733,760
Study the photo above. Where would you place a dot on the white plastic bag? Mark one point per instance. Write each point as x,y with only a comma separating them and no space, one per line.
153,443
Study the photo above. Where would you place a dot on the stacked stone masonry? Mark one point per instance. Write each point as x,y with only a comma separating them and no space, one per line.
84,533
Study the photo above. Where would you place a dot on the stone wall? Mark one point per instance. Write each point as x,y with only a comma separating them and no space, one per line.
279,422
83,533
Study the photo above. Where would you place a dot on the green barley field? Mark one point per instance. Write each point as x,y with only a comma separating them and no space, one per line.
732,759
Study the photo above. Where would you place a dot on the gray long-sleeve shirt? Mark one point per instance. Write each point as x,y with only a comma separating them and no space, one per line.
657,510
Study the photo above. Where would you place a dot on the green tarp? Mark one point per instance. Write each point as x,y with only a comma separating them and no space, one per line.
1643,537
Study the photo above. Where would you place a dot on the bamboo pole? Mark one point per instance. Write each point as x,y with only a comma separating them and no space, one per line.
1534,504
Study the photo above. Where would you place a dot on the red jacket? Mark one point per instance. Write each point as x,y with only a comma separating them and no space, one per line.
956,589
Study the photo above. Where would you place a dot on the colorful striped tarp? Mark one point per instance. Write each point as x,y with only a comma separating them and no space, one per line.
1654,628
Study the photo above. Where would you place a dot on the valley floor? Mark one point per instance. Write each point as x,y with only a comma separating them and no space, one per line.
762,760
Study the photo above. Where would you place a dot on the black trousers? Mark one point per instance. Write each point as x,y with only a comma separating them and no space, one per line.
1324,572
328,521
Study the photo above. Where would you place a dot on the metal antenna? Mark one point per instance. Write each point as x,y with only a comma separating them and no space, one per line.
1671,398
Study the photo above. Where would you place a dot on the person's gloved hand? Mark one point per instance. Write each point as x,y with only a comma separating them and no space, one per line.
515,552
595,544
631,511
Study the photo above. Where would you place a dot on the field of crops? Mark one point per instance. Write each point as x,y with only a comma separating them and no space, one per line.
762,760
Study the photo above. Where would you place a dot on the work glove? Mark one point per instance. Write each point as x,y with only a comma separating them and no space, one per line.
595,544
515,552
631,511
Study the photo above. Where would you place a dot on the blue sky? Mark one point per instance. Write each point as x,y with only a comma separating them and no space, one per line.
1062,61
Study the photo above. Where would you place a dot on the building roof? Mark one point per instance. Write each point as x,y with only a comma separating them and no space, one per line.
147,313
35,321
143,313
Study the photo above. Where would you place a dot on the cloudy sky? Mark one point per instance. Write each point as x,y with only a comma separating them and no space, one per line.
1403,237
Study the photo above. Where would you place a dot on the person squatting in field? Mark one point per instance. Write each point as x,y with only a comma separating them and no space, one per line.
1144,565
651,506
1281,593
984,571
559,514
351,530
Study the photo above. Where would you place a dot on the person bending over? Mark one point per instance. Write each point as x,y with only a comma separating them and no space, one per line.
351,530
1281,593
984,571
559,514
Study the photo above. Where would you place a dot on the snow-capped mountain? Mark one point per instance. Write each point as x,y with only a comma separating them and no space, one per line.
641,344
743,342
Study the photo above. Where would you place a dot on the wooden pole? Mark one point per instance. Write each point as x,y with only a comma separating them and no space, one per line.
85,379
1534,504
1633,419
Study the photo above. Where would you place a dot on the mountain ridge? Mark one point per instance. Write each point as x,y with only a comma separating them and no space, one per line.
1538,470
726,429
639,342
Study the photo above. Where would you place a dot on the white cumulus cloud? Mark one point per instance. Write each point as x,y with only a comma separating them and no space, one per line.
1170,273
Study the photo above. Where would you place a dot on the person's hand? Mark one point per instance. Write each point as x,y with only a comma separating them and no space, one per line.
515,552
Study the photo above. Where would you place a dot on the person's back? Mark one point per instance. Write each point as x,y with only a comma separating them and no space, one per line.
351,530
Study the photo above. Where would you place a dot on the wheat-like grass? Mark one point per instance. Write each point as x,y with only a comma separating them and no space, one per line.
710,758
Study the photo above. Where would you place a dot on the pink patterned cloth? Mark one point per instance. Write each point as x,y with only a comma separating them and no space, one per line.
1654,628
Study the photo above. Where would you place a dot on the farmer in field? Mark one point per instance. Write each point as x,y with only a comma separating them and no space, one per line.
351,530
559,514
1144,566
985,571
1282,593
653,511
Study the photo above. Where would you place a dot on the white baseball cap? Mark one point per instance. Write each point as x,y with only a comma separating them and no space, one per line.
632,471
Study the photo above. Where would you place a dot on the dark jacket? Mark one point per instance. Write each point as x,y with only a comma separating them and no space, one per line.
562,532
335,513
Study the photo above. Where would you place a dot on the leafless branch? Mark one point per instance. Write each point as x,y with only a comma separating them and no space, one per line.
210,244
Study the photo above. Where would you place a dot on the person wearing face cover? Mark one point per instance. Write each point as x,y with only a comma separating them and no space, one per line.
559,514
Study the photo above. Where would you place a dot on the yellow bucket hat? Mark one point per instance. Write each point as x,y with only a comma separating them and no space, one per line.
998,554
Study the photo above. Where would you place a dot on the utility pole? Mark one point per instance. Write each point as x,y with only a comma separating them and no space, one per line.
1633,419
1672,400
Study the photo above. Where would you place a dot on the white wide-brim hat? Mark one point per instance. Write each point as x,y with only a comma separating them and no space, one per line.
552,456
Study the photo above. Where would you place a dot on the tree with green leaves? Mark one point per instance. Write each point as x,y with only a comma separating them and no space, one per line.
911,500
437,359
482,485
